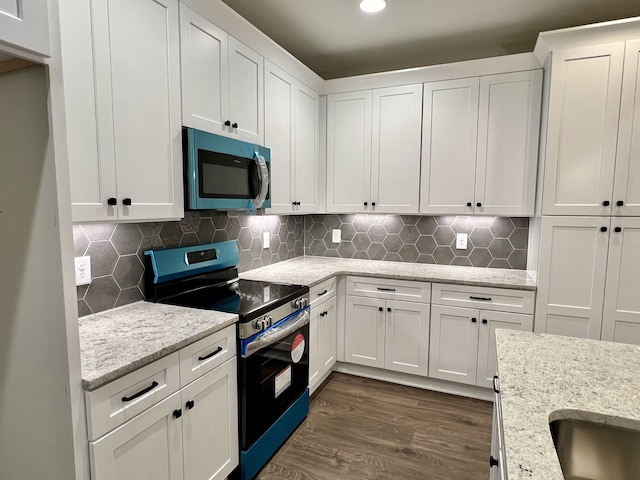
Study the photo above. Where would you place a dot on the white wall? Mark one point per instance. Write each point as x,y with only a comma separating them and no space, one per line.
36,438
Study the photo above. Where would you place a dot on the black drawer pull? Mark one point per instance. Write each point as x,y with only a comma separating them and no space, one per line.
493,462
153,385
215,352
323,293
382,289
190,404
484,299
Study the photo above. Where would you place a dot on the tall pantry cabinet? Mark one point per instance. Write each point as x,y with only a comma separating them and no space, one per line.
589,265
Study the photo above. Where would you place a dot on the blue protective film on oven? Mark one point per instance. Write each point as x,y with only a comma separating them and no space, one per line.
174,263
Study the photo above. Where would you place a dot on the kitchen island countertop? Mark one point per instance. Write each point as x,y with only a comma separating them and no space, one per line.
119,341
549,377
313,270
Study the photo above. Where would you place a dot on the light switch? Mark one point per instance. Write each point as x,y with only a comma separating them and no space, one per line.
336,234
461,241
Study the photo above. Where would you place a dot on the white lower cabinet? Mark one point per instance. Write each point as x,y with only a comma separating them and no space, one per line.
388,334
191,434
322,334
462,342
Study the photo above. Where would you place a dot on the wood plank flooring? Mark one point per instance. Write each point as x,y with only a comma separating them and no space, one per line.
360,429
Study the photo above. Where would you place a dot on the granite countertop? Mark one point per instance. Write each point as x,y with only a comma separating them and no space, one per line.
119,341
548,377
313,270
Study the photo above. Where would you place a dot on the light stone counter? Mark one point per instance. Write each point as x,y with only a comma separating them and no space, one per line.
313,270
119,341
547,377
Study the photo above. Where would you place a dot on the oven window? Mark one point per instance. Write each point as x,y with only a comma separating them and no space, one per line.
223,176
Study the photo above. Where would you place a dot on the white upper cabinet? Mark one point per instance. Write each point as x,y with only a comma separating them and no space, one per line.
222,81
24,24
292,128
584,108
450,132
123,109
626,189
480,144
373,150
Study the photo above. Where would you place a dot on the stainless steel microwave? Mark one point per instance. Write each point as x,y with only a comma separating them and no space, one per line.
223,173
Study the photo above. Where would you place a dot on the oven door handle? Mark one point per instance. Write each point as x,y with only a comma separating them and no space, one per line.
263,178
274,334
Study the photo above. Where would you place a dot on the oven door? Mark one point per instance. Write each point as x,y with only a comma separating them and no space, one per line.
273,374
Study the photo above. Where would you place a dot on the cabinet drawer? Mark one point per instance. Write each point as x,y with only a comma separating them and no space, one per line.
406,290
206,354
500,299
323,291
125,397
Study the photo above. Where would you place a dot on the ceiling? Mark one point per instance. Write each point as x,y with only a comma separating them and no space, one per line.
335,39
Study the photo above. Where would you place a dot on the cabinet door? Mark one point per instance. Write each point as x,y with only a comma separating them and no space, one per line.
627,180
246,92
25,25
508,131
205,73
349,152
453,344
148,446
487,354
210,426
327,329
621,319
145,72
278,136
449,134
407,337
571,275
395,151
364,331
314,362
584,106
307,174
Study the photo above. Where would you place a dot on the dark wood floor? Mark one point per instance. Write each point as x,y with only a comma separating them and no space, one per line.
363,429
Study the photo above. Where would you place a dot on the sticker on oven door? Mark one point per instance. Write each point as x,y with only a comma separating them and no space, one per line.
297,348
283,381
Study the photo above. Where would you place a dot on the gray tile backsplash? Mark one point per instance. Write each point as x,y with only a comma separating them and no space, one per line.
117,251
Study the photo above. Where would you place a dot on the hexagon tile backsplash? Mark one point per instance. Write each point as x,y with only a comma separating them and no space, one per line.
117,251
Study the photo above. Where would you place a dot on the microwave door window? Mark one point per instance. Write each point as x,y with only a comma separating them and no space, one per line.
223,176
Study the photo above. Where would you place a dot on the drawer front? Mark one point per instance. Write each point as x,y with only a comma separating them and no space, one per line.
206,354
119,401
499,299
404,290
323,291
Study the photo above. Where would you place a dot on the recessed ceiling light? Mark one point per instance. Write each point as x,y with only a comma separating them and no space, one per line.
372,6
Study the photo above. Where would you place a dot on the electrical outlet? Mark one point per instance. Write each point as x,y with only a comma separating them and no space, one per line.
83,270
265,240
461,241
336,234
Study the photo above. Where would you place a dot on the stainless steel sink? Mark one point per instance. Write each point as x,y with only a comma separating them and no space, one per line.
595,451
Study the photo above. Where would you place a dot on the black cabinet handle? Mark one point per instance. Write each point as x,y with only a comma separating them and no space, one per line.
617,229
619,203
479,204
227,123
373,204
484,299
469,204
153,385
212,354
606,203
382,289
603,229
493,462
324,292
234,125
380,309
325,313
388,309
126,201
496,384
484,321
190,404
474,320
296,203
112,201
366,203
177,413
